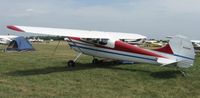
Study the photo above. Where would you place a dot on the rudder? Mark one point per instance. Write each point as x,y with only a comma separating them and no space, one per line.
183,50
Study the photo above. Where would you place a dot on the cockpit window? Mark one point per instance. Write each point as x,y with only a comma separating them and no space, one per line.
103,41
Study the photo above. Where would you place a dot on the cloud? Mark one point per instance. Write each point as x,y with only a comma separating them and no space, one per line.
30,10
154,18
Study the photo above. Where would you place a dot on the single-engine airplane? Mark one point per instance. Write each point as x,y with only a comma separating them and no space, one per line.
6,39
178,52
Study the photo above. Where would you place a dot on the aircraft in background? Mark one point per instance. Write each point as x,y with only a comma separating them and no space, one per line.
153,43
36,40
6,39
179,52
196,44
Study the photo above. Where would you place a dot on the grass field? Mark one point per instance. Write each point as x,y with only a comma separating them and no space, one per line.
44,74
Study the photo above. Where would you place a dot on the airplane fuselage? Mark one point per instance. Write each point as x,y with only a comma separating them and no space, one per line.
117,50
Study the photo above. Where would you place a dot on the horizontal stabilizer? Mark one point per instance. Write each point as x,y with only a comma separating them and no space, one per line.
168,62
165,61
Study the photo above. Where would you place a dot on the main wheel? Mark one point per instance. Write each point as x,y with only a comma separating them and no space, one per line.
71,63
95,61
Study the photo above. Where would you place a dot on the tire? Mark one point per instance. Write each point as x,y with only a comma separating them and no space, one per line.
95,61
71,63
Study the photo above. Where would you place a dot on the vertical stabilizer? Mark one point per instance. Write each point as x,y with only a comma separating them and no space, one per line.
183,50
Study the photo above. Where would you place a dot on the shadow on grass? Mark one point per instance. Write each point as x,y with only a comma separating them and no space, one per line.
160,75
54,69
166,74
37,71
127,69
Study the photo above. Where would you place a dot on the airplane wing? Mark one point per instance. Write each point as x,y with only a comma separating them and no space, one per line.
75,33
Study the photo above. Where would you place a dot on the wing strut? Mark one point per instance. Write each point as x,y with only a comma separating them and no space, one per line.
75,44
71,63
56,47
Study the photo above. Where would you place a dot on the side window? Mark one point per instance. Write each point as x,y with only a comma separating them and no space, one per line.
103,41
96,41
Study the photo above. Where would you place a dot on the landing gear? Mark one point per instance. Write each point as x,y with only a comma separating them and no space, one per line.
71,63
183,73
95,61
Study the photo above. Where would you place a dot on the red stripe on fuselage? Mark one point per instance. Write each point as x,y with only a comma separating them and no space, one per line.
165,49
75,38
125,47
122,46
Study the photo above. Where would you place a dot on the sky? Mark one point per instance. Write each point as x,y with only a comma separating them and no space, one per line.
152,18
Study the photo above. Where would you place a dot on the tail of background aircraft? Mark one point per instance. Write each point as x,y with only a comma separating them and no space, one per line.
182,49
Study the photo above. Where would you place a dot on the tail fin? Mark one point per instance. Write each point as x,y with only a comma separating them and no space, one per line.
183,49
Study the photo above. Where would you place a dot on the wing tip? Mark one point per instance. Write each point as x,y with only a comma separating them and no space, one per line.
12,27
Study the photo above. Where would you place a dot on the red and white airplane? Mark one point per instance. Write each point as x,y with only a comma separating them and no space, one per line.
179,52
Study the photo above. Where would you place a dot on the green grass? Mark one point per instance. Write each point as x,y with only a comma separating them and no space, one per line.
44,74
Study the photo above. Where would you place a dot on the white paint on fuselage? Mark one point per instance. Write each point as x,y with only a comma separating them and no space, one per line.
90,49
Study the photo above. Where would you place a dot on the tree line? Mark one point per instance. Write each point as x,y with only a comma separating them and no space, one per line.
46,37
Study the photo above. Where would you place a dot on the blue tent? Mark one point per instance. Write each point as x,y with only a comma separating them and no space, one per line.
20,44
